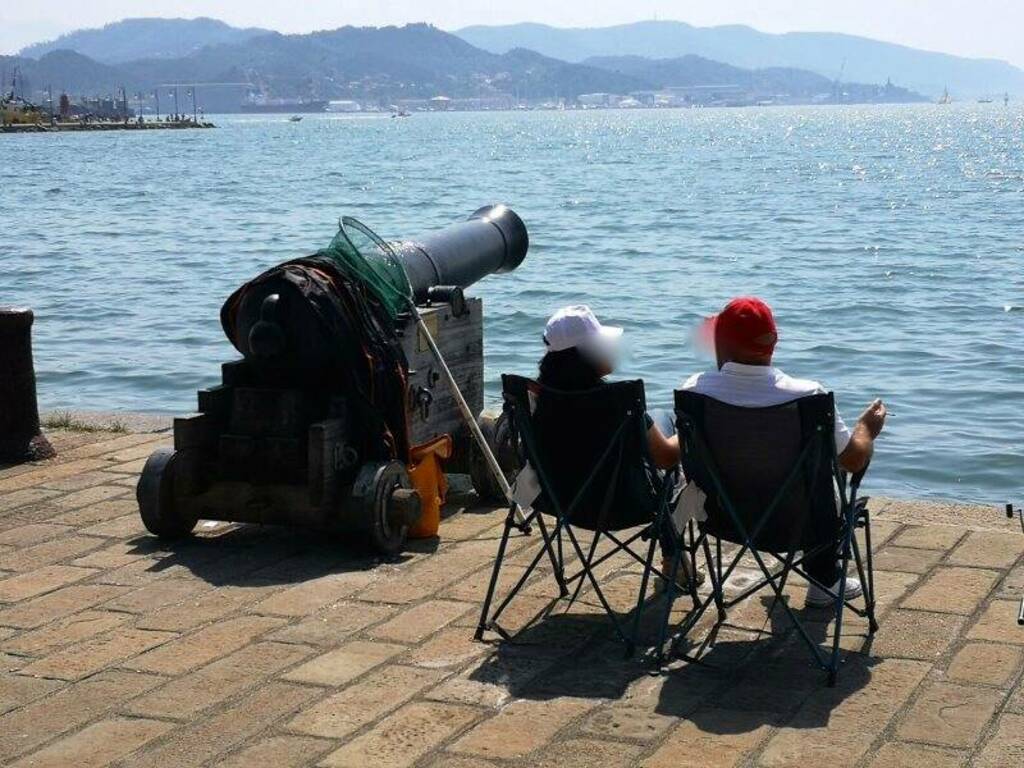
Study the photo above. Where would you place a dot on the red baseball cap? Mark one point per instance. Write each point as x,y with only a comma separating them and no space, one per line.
746,325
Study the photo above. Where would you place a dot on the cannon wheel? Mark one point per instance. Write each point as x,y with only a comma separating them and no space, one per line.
155,494
387,534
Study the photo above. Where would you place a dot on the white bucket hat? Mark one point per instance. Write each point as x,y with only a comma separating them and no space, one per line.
577,326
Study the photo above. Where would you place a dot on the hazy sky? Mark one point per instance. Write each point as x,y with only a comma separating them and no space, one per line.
993,28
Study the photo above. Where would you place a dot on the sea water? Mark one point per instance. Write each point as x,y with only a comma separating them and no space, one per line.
889,240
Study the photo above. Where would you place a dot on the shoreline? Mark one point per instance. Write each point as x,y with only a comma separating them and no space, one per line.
915,510
81,127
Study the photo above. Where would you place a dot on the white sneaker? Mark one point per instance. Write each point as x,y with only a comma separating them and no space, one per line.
819,598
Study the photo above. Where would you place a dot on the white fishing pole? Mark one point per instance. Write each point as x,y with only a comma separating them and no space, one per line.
467,414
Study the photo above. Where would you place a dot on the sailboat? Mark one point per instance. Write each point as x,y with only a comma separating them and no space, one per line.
945,97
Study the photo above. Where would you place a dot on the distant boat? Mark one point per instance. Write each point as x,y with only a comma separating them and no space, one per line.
984,100
295,119
945,97
1006,99
400,113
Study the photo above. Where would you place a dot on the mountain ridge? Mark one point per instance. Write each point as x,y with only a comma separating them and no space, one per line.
827,53
416,61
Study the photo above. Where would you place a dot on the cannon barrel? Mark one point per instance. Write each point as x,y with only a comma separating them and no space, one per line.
493,239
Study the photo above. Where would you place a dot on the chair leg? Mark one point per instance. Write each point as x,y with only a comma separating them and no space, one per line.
872,622
643,589
716,582
587,565
597,588
670,591
510,521
833,667
556,563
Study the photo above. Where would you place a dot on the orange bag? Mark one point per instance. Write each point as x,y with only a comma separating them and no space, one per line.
429,480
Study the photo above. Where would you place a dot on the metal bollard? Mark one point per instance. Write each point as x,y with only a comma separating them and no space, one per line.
20,437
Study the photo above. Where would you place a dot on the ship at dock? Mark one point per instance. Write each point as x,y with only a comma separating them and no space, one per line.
260,104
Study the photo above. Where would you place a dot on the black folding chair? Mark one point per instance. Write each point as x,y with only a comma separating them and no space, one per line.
605,486
774,487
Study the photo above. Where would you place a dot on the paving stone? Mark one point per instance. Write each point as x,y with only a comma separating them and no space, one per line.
431,575
313,595
907,559
26,728
917,634
521,727
998,623
988,549
1006,747
837,725
279,752
25,497
586,753
202,608
192,651
331,626
942,537
47,553
33,533
953,590
344,664
101,511
114,555
50,475
98,653
362,703
451,647
55,605
186,696
650,707
900,755
404,737
949,715
201,742
986,663
155,596
419,622
97,745
461,761
87,496
17,690
40,581
118,527
716,738
488,683
63,632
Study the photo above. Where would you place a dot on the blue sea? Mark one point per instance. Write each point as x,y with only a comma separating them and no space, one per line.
890,241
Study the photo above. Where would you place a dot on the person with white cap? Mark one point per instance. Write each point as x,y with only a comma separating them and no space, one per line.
581,352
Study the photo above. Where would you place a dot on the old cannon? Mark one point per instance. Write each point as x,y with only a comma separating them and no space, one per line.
314,424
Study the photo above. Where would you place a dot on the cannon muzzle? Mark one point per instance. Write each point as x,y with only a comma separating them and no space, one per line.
493,239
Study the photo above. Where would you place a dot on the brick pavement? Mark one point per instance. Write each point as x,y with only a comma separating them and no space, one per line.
249,646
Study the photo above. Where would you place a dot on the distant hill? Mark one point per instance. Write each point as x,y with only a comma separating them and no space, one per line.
866,60
417,61
132,39
696,71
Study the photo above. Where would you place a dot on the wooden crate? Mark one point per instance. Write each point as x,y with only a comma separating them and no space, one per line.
461,341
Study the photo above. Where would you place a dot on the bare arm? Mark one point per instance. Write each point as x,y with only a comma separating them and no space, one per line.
859,450
664,450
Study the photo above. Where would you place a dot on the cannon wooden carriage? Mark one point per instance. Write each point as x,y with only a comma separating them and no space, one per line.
269,447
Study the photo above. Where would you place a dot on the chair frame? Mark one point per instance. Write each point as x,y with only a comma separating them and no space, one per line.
516,392
852,509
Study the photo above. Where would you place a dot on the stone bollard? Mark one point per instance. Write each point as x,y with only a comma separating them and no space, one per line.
20,436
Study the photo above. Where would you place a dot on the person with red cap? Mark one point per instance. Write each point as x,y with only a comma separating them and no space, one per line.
744,336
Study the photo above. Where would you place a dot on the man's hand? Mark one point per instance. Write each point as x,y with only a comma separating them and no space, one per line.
862,443
873,418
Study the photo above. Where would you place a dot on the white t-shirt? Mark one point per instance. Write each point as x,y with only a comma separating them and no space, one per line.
760,386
